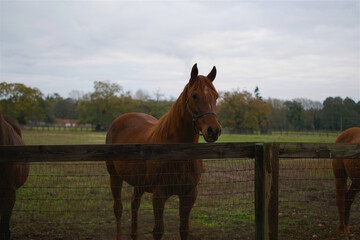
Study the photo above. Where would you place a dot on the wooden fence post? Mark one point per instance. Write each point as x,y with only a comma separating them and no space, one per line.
266,190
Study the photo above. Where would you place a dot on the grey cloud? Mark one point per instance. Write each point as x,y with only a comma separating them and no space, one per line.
289,49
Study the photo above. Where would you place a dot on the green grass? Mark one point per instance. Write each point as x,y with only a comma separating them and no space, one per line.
277,138
32,137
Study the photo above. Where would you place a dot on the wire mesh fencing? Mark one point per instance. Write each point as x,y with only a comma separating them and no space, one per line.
74,201
307,201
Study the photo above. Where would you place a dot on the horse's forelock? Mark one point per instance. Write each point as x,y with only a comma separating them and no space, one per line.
202,82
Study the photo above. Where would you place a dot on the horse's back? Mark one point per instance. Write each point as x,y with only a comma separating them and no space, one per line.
350,135
130,128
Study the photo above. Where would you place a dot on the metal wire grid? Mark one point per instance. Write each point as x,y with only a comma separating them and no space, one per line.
307,204
73,200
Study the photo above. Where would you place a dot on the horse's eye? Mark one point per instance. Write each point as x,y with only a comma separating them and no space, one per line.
195,96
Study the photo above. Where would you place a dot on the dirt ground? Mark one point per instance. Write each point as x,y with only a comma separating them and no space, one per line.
73,201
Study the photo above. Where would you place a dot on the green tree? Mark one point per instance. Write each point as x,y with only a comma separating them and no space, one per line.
277,115
257,93
21,102
61,108
152,107
332,113
351,114
103,105
294,115
262,111
312,119
312,113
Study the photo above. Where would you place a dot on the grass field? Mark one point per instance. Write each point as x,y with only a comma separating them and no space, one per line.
73,200
77,137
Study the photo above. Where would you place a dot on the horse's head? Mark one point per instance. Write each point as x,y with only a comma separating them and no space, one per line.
200,102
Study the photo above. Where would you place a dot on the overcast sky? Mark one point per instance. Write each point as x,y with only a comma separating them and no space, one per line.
289,49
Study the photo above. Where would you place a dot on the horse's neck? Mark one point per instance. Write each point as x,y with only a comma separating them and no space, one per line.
2,124
10,133
176,125
4,131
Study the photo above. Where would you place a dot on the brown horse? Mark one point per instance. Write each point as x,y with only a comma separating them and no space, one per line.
12,175
343,169
192,113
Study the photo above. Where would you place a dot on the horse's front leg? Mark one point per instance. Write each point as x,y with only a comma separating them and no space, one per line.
159,199
187,201
135,204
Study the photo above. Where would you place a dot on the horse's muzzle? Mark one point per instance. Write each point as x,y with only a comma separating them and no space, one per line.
212,134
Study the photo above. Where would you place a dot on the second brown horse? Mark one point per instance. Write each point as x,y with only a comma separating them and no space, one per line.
191,114
344,169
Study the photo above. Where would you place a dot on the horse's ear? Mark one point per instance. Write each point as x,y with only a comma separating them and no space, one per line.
194,71
212,74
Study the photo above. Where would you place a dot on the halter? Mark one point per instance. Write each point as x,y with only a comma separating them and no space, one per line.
194,116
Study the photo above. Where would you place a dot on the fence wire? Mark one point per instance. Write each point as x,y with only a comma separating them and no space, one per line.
307,201
74,201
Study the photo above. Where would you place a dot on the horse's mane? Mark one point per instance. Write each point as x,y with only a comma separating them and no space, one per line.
10,131
171,119
14,124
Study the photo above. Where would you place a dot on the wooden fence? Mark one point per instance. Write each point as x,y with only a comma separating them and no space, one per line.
266,163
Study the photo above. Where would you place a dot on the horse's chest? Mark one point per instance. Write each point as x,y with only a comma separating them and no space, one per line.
174,176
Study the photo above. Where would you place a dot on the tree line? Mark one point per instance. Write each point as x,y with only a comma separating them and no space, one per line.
238,111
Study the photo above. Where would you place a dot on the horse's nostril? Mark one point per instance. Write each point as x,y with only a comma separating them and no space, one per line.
210,131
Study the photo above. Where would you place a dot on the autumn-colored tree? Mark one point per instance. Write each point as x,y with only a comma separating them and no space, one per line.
242,112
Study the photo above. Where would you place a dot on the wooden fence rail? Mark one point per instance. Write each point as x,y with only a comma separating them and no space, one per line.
98,152
266,163
71,153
